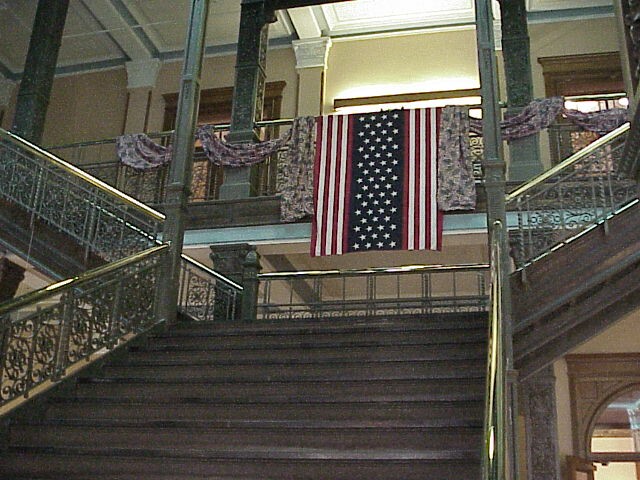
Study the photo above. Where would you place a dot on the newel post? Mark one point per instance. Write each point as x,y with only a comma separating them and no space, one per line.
250,283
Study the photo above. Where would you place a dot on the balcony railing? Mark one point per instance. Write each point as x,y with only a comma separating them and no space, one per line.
97,217
99,158
576,194
418,289
48,331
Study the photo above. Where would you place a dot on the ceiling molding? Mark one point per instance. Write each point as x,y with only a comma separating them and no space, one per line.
305,22
284,19
135,28
570,14
147,26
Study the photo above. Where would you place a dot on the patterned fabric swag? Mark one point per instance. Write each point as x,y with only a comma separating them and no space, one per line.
456,186
225,154
138,151
540,113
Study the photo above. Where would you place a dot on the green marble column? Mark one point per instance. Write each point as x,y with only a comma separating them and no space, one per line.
39,70
524,153
248,94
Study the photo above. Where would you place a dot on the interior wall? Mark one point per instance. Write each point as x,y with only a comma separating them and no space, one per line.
93,106
220,72
401,64
90,106
620,338
569,38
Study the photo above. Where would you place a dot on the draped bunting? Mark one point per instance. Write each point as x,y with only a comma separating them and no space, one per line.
295,171
541,113
224,154
138,151
456,184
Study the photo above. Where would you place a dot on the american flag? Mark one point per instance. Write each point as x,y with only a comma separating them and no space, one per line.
375,182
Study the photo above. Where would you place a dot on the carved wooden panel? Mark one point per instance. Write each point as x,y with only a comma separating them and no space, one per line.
594,381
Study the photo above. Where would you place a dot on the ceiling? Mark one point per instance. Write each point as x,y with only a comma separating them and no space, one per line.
107,33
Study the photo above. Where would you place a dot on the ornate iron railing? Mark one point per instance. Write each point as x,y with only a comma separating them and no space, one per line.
574,195
99,218
494,452
99,158
418,289
205,295
46,332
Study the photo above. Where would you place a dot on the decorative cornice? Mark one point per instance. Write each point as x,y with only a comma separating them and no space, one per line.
6,91
312,52
143,73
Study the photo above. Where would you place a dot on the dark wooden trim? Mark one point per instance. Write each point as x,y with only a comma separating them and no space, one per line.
594,381
219,100
576,292
405,97
582,74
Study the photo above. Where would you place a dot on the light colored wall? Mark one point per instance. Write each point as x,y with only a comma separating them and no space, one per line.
93,106
220,72
401,64
569,38
622,337
86,107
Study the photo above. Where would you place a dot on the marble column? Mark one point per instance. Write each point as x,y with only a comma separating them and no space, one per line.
311,63
248,93
7,88
524,153
538,402
142,76
39,70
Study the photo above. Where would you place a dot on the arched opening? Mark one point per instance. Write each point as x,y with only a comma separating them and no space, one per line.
614,440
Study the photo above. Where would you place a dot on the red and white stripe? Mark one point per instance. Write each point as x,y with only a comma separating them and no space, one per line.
422,221
331,180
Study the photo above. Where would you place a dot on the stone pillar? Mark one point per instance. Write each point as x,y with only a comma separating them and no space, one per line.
39,70
141,80
248,93
241,263
524,153
311,63
6,94
538,401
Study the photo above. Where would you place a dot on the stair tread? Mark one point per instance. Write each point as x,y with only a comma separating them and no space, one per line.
293,425
267,401
265,452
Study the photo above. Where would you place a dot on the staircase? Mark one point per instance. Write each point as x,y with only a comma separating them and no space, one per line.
388,398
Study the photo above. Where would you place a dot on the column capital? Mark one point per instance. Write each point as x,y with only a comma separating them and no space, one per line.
6,91
312,52
143,73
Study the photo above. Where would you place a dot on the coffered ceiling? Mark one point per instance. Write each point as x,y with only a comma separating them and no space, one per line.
107,33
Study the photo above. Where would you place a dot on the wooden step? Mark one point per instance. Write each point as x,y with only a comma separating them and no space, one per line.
148,389
301,434
363,353
291,464
320,339
438,413
277,370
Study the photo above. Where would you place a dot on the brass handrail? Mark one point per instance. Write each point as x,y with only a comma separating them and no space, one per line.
49,157
576,157
494,429
367,271
211,272
69,283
